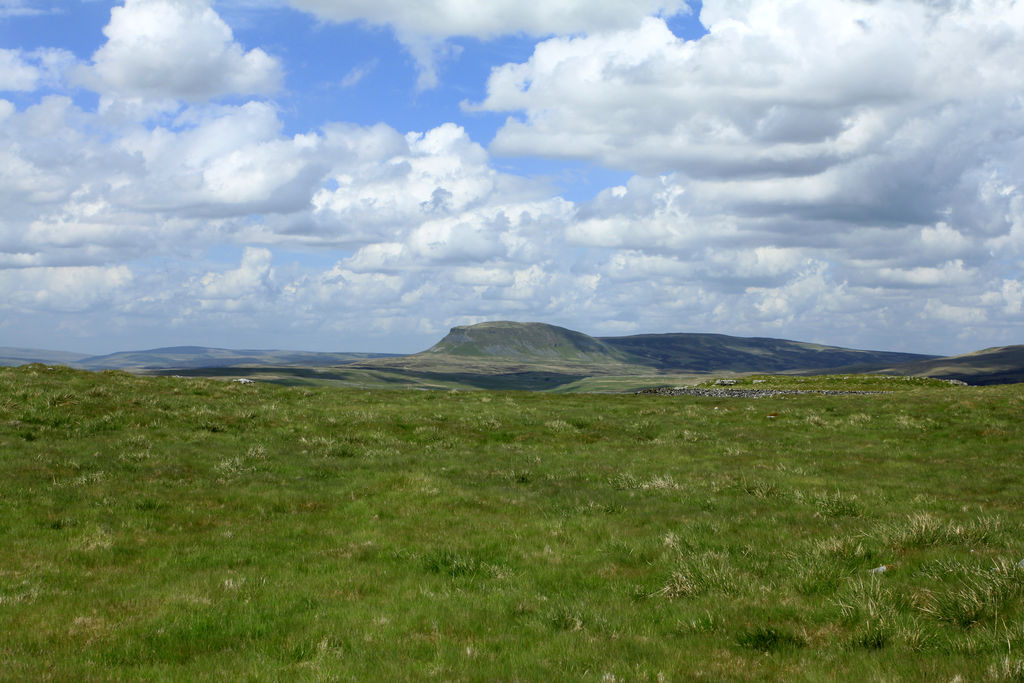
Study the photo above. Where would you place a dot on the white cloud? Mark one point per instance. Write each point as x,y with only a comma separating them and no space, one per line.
447,18
1012,240
1013,296
358,73
960,315
883,139
435,188
70,289
22,70
757,263
241,288
78,190
647,212
15,73
859,111
334,288
949,273
482,276
943,239
22,8
176,49
423,26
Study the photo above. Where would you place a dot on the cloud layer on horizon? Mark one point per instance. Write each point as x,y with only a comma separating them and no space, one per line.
842,171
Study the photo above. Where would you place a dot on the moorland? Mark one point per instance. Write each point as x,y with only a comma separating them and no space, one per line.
158,527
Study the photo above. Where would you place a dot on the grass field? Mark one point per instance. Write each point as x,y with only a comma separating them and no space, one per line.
169,528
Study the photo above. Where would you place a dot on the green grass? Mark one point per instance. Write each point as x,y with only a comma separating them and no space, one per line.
161,528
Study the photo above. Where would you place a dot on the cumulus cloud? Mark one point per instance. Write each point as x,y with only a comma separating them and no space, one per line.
782,88
416,208
24,71
69,289
880,140
423,26
78,191
176,49
1013,296
949,273
15,73
447,18
960,315
843,110
435,188
252,282
843,172
223,161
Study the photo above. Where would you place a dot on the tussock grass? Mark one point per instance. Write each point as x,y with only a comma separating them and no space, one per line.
165,528
978,594
711,572
924,530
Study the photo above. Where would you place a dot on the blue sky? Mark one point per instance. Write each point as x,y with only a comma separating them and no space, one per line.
328,175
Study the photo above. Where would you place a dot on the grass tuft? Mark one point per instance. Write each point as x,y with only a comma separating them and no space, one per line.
769,639
979,595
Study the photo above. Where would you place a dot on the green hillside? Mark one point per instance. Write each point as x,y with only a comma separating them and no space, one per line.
998,365
192,357
525,341
10,356
718,352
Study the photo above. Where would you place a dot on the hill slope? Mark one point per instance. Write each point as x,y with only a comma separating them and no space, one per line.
192,357
182,358
524,341
10,356
998,365
677,352
718,352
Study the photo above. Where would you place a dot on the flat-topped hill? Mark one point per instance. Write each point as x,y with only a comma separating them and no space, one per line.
686,352
542,356
522,341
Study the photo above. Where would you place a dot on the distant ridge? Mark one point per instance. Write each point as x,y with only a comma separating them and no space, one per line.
17,356
696,352
997,365
183,358
673,352
539,356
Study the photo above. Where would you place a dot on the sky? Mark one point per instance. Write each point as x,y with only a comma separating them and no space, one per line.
363,175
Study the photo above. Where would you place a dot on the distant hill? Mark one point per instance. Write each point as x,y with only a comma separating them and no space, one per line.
539,356
998,365
676,352
524,341
14,356
693,352
542,356
183,358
